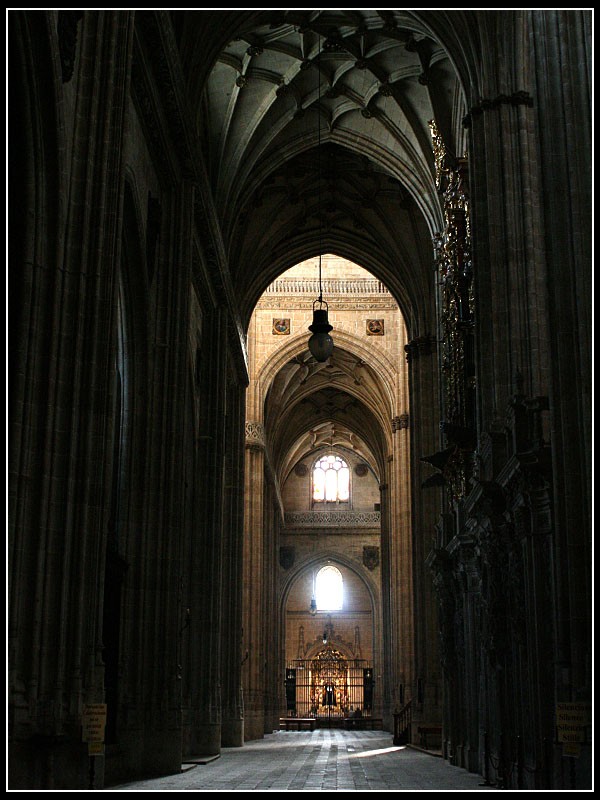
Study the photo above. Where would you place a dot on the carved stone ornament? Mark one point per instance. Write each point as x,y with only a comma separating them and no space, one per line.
332,519
400,422
301,470
287,556
375,327
371,557
361,470
255,434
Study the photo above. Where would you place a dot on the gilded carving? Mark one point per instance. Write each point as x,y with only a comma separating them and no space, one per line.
457,316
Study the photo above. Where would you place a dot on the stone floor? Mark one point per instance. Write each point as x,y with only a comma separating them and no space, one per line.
317,761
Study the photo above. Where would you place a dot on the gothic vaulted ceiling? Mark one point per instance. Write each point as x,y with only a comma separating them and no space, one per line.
338,403
315,130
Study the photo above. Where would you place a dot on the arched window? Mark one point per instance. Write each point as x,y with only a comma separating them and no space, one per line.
331,480
329,589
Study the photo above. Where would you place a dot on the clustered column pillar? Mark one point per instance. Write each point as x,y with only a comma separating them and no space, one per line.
61,401
421,356
208,557
232,727
253,643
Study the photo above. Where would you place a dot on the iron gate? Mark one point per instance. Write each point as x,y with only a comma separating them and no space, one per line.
329,686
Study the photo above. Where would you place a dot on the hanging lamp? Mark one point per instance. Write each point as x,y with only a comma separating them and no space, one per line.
320,343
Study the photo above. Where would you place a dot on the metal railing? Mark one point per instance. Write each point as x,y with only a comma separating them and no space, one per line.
402,723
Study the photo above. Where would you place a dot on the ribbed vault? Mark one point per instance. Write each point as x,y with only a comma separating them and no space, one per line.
341,403
315,131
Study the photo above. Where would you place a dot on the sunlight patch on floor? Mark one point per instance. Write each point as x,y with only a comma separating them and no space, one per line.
369,753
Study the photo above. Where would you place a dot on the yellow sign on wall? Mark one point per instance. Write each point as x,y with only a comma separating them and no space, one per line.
93,722
572,720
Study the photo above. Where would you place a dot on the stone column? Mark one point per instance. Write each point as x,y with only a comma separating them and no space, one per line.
421,354
232,727
253,641
531,193
537,559
391,671
471,581
153,535
272,675
401,571
561,45
209,565
61,390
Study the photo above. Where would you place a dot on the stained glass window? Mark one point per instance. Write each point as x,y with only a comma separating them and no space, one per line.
331,480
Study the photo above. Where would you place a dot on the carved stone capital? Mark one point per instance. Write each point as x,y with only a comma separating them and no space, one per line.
420,346
515,99
255,435
400,422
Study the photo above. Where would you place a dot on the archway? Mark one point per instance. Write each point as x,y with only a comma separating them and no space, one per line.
344,412
332,654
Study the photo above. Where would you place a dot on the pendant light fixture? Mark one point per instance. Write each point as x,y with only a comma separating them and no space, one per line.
320,343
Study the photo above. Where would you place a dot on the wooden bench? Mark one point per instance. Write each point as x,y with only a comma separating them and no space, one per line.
298,723
428,730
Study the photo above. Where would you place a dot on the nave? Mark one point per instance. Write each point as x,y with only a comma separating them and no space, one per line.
320,760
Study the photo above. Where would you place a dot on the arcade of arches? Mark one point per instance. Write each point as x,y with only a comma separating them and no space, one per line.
211,532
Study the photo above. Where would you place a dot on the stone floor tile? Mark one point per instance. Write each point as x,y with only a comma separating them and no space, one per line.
320,760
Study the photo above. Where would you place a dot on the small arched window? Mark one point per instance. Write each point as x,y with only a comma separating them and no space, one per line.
331,480
329,589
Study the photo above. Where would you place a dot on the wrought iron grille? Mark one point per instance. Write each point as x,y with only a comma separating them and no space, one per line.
329,686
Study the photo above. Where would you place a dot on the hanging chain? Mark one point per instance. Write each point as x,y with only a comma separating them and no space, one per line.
319,164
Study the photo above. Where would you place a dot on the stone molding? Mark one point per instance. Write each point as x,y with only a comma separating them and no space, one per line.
278,302
333,519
